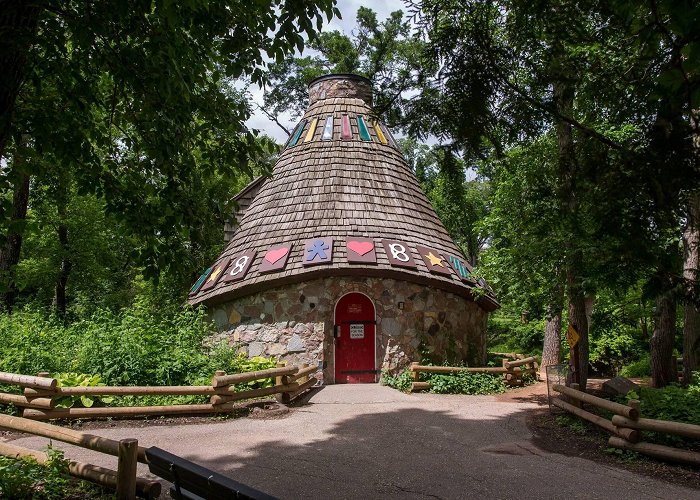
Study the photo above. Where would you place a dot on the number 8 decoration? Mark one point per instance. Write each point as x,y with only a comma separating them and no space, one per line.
239,267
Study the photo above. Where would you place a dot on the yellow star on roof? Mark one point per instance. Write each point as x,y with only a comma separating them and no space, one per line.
435,261
214,274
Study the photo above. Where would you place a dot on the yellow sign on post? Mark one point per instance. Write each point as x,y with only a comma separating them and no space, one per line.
572,336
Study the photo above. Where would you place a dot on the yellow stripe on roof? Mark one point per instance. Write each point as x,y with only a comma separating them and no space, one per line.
312,129
380,134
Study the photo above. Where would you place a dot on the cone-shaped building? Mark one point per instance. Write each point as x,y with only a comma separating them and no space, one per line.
339,259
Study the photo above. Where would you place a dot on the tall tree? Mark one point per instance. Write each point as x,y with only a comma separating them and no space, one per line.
386,52
138,103
510,63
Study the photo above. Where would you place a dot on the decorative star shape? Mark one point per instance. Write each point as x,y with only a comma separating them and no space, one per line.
434,260
214,274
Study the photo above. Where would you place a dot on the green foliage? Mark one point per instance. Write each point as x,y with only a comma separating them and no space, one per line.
466,383
164,167
25,478
150,343
254,364
639,368
80,380
385,51
673,402
402,381
509,332
576,424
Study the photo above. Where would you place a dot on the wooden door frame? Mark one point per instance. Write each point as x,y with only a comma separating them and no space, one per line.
335,313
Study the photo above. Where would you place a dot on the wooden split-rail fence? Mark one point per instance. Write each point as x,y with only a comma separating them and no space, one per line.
514,367
627,423
127,451
39,403
41,394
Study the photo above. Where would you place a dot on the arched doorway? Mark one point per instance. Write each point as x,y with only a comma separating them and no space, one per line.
355,340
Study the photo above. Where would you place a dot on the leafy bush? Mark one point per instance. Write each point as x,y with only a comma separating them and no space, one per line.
673,402
25,478
638,368
80,380
149,343
254,364
401,382
145,344
509,333
466,383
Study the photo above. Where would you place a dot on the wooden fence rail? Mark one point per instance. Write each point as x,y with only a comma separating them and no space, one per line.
627,423
42,392
512,371
127,452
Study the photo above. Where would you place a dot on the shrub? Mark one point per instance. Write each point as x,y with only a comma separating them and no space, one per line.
80,380
638,368
401,382
25,478
466,383
670,403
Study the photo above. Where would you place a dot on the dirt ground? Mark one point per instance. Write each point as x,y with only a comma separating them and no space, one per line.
550,435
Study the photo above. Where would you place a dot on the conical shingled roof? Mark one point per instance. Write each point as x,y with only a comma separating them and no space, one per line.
340,188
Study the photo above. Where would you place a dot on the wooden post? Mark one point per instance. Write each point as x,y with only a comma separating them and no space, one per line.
214,400
575,402
283,397
637,405
576,362
414,372
126,469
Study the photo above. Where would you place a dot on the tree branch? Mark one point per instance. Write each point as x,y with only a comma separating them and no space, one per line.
274,119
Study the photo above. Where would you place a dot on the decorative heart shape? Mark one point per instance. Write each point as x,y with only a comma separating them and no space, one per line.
273,256
361,247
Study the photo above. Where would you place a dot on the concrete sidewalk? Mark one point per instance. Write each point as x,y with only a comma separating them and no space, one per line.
367,441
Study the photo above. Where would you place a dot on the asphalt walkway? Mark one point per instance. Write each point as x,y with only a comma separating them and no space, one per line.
368,441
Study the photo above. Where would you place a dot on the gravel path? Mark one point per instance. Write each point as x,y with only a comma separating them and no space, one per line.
367,441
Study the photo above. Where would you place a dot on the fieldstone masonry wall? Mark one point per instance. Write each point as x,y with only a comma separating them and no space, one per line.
339,87
295,322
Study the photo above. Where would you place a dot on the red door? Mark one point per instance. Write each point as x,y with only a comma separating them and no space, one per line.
354,343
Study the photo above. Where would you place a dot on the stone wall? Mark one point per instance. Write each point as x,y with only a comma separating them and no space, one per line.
295,322
341,86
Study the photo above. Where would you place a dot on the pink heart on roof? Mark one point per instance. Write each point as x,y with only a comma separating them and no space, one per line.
273,256
360,247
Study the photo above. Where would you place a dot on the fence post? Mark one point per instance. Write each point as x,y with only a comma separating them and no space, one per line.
282,397
575,402
126,469
637,405
414,372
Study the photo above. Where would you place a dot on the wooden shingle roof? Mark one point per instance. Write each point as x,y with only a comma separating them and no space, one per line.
339,189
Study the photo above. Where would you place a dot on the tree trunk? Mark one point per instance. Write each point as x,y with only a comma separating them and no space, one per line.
9,254
551,349
18,25
691,313
60,300
563,95
661,345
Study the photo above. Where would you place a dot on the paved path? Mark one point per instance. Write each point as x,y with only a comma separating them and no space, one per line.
367,441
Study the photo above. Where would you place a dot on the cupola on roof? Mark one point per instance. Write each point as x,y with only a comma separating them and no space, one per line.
341,201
